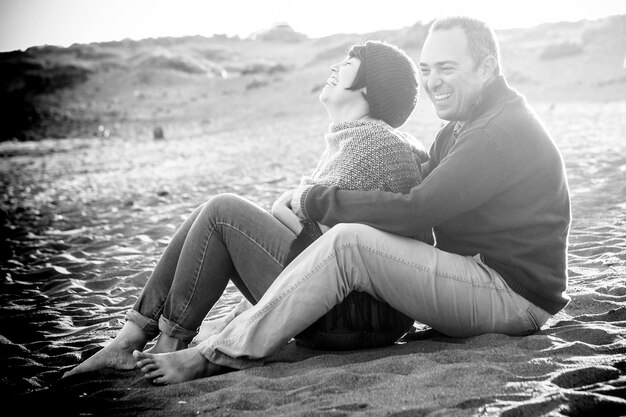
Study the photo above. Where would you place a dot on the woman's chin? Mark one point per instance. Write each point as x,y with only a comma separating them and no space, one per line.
323,97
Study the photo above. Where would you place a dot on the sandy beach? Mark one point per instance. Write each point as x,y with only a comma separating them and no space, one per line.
85,219
97,213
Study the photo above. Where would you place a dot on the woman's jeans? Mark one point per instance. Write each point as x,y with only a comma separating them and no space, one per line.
229,238
457,295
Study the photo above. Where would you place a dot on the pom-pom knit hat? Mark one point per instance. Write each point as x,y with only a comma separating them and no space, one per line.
391,83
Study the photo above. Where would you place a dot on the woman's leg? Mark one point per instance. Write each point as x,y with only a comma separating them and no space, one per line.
231,239
152,298
228,237
136,333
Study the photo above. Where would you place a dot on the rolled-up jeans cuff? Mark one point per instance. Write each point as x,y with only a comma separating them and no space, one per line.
149,326
215,356
176,331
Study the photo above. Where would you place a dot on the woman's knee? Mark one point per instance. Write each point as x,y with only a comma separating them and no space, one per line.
350,232
222,204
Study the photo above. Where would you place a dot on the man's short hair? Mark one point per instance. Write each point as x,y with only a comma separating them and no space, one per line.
481,39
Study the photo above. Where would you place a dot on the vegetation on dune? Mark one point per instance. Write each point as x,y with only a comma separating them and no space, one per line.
53,92
560,50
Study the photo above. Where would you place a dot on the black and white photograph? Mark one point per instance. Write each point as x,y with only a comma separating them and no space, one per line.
313,208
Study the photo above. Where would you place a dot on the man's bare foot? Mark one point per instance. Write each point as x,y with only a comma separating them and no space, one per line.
166,344
171,368
118,354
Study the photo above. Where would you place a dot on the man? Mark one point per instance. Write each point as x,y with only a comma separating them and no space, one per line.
495,193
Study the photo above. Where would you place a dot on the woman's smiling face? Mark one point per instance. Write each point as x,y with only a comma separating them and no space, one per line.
342,76
451,78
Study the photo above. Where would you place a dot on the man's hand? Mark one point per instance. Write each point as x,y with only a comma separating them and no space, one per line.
296,196
281,209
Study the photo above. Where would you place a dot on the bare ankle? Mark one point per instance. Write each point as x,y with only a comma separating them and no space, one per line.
166,344
131,337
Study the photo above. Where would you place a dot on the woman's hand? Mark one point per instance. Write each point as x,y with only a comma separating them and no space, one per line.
281,209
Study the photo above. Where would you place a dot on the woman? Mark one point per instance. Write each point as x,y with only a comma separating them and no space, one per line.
369,94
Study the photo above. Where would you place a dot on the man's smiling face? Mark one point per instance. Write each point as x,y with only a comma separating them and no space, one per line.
449,75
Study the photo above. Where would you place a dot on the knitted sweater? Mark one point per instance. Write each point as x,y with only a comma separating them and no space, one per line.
365,155
368,155
497,187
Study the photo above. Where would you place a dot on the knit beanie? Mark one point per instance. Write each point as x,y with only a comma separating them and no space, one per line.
391,83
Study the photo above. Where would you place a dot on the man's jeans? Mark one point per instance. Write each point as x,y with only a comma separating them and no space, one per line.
456,295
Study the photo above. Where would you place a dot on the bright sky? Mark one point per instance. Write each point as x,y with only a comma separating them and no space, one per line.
25,23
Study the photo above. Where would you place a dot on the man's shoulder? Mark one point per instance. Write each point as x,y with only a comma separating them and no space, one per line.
511,110
510,119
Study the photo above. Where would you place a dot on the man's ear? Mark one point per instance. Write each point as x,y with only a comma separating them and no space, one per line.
489,66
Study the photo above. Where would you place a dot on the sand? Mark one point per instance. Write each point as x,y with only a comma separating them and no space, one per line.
86,219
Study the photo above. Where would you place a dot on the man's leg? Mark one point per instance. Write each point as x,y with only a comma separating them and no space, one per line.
214,326
456,295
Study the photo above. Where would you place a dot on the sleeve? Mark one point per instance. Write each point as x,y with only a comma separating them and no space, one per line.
471,174
402,169
363,163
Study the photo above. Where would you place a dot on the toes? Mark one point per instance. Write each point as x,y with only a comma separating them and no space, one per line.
141,355
160,381
149,368
154,374
144,362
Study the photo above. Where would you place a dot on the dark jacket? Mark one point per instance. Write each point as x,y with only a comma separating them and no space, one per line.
498,189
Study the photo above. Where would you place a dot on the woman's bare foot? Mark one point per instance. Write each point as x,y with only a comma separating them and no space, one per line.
175,367
118,354
166,344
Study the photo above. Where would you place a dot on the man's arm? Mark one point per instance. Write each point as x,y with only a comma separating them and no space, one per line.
468,177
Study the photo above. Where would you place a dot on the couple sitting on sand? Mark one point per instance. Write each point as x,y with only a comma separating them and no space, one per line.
493,190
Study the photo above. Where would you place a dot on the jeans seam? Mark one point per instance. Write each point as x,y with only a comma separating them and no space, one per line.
154,317
250,238
196,275
290,290
206,244
408,263
325,261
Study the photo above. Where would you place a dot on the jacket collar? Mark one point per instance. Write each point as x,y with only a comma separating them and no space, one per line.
493,94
